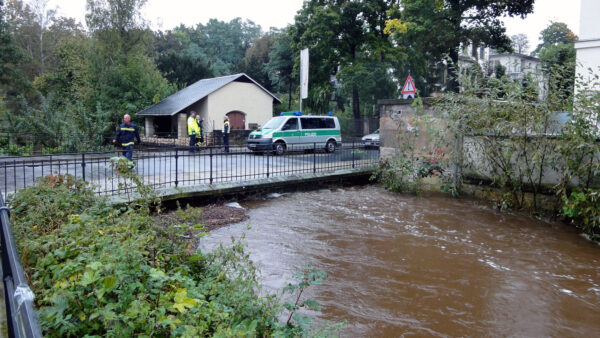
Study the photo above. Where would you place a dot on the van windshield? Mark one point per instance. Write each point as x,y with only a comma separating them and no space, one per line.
274,123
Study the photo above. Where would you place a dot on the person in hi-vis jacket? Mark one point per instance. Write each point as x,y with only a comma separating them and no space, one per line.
192,128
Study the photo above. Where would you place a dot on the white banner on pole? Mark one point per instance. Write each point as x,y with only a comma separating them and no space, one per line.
304,73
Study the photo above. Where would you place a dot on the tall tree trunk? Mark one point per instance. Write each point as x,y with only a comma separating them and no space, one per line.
356,110
453,71
41,51
455,19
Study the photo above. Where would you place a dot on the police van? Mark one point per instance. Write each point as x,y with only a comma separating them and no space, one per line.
294,131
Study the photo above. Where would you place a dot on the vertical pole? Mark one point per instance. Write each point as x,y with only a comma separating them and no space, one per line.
176,167
82,165
314,157
458,150
211,166
352,149
268,164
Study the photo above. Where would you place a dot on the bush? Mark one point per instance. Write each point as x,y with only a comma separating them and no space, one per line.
99,270
583,208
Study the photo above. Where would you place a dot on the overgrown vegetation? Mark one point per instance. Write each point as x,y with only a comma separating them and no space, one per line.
101,270
423,151
500,132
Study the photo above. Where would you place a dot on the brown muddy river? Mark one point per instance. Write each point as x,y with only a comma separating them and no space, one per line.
401,265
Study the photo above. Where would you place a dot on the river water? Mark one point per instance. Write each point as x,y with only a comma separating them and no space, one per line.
402,265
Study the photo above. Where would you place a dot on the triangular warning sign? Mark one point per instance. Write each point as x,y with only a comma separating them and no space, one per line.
409,86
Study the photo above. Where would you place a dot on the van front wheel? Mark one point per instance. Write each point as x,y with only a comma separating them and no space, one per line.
330,147
279,148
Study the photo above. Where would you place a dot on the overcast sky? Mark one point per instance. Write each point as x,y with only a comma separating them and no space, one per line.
167,14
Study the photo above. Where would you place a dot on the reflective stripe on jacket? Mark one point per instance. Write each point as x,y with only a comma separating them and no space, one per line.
127,134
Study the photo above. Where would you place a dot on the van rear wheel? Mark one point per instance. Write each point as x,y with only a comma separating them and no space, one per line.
330,146
279,148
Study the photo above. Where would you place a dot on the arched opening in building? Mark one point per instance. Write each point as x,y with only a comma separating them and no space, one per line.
237,120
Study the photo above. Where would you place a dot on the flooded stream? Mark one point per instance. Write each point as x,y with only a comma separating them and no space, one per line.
414,265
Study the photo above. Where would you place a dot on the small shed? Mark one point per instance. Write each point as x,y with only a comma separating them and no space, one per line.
239,97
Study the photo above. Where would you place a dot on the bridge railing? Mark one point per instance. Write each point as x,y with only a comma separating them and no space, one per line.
178,166
20,314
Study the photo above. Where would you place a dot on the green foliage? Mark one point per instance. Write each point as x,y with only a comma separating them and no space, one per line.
507,137
13,83
436,28
8,148
555,34
100,270
345,39
309,276
515,140
419,155
558,57
60,129
97,270
579,151
44,207
281,67
583,209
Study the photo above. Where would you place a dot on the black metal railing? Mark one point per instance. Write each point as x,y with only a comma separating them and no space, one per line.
177,166
20,314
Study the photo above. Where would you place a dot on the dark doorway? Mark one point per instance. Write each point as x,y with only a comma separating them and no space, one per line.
162,126
237,120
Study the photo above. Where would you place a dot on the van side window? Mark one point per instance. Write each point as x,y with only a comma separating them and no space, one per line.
310,123
291,124
317,123
327,123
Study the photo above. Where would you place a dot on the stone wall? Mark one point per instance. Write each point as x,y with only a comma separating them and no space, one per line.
395,120
395,116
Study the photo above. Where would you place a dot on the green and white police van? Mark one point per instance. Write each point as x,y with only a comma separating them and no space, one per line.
294,131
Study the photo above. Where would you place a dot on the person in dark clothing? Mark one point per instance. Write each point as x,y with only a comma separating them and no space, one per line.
226,130
199,131
126,135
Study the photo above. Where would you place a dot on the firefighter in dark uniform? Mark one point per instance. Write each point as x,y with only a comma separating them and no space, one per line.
226,130
126,135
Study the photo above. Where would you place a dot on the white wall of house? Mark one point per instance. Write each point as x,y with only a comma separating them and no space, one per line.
588,46
519,65
238,96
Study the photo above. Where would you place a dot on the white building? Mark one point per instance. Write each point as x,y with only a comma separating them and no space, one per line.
239,97
588,45
517,66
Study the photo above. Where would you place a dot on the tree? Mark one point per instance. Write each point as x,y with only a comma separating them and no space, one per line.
281,65
256,59
341,34
520,43
556,33
124,78
38,31
12,81
558,56
226,43
439,27
181,61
